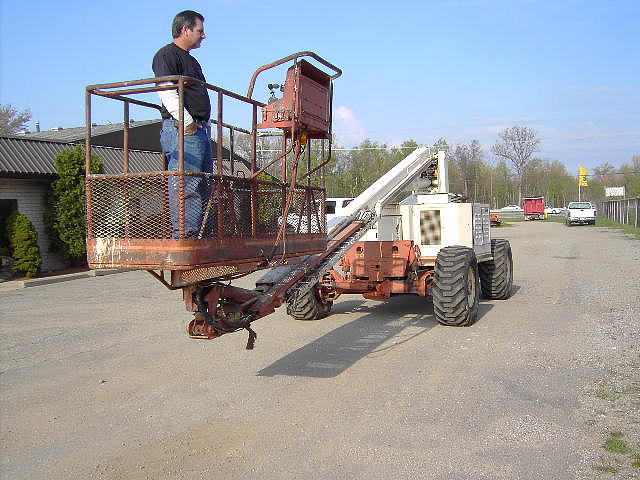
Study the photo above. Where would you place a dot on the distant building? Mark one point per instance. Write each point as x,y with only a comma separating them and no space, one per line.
143,135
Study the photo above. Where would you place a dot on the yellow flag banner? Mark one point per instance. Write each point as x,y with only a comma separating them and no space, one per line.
582,181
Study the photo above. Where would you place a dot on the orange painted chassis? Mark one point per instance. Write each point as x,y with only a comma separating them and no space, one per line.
378,270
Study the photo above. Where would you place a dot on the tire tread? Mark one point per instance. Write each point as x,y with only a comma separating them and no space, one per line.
496,276
308,307
450,287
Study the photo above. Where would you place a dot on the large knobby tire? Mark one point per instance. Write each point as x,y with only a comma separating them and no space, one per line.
456,287
308,306
496,276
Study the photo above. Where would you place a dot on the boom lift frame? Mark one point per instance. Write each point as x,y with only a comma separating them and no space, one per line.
245,225
430,244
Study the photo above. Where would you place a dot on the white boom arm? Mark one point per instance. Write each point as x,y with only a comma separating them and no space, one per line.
391,183
371,200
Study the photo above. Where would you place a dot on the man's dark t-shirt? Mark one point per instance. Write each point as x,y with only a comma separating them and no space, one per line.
172,60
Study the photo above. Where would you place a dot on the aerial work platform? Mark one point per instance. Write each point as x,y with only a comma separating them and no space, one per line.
430,243
141,220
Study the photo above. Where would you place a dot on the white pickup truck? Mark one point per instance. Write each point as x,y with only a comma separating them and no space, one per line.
580,212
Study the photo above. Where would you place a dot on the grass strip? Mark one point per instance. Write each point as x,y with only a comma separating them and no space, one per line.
616,444
606,469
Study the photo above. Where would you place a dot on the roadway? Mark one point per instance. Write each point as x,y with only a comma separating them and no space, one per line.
98,379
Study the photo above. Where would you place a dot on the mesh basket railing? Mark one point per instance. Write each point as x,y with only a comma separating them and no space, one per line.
306,212
166,205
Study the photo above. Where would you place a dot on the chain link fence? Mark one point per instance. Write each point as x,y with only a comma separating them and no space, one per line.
626,210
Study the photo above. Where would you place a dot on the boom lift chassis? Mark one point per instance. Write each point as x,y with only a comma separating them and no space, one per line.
279,223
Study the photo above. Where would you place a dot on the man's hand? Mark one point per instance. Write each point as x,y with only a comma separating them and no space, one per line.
191,129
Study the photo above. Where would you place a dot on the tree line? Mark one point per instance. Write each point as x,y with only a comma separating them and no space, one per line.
509,171
512,171
504,178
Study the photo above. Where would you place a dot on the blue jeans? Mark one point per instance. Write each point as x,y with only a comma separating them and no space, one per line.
197,158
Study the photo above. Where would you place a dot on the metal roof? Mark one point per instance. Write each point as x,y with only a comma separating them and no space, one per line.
20,155
75,134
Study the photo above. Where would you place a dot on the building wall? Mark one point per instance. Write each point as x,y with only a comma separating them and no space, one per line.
30,195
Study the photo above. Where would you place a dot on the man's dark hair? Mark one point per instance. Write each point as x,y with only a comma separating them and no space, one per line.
185,19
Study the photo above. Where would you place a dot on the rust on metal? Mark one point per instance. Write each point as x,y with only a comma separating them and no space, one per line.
128,215
305,104
125,140
186,254
139,220
378,270
293,56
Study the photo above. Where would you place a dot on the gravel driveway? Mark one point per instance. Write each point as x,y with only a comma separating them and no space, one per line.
98,380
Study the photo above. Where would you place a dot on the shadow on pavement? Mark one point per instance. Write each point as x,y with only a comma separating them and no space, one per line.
483,309
334,352
352,306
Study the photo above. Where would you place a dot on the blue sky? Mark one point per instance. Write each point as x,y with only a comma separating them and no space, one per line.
458,69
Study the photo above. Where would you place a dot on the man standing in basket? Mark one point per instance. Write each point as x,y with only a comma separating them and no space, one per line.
174,59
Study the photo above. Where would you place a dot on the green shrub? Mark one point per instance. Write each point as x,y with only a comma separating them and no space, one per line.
23,240
49,217
66,212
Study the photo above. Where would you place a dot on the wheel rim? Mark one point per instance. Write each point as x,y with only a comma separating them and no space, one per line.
471,286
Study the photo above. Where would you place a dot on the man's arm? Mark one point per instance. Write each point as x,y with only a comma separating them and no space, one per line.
164,65
171,102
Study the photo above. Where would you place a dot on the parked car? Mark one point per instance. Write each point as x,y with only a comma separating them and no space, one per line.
512,207
553,210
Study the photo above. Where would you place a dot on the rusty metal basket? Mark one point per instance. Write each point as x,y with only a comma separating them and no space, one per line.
129,221
141,221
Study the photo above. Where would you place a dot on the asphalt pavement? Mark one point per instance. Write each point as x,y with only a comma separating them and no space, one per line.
99,380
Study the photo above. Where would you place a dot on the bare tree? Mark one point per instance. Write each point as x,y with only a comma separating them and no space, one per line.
477,162
11,120
517,145
441,144
605,174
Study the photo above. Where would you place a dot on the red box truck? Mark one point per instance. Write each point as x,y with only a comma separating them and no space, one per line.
533,208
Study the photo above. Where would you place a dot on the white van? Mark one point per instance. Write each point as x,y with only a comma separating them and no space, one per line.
336,205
